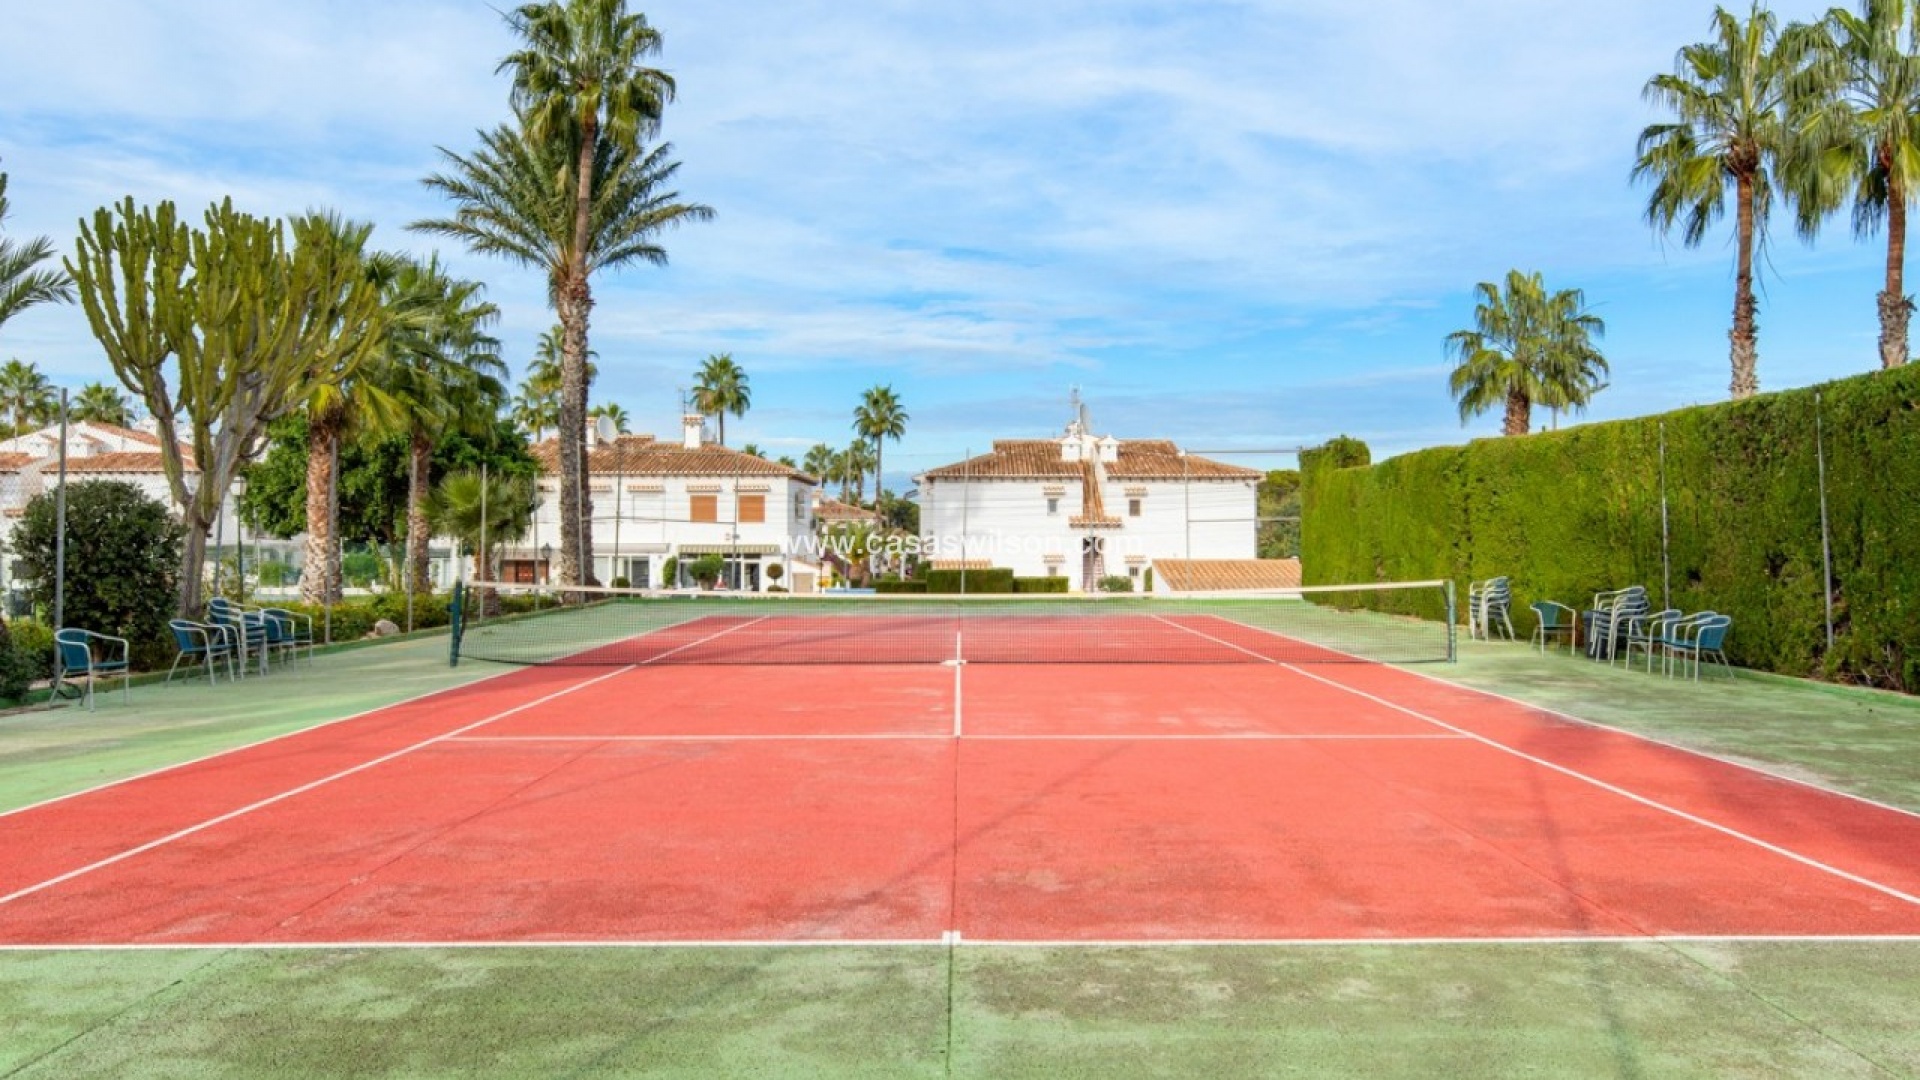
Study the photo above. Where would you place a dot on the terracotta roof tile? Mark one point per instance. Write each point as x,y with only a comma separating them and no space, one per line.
835,510
122,462
1217,575
1139,459
643,455
16,462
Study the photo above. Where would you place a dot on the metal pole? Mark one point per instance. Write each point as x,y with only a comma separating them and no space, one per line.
966,500
60,526
619,494
1826,535
486,564
1666,556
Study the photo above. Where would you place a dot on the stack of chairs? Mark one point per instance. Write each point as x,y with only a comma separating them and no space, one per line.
1606,621
1489,603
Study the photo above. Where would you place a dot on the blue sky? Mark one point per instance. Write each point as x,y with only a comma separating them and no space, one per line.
1237,225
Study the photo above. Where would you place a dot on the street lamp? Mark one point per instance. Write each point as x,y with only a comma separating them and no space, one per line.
546,560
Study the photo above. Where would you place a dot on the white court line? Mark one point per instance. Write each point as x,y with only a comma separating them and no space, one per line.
402,703
302,789
885,736
1251,736
1804,860
952,938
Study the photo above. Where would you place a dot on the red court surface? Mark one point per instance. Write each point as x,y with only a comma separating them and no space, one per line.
1236,802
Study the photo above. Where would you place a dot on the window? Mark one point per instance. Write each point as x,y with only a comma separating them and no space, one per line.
1053,505
753,509
1053,571
800,507
1133,507
703,508
1133,572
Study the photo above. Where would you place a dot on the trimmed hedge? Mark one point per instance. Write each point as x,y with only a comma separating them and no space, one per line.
895,585
1055,584
998,579
1568,513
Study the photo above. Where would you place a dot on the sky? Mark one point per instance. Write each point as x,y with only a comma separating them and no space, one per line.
1242,226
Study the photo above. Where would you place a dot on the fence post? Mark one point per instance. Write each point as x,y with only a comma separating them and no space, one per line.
1453,632
454,613
1666,553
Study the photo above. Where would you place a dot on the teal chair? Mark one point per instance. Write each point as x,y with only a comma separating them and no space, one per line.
1648,633
294,631
204,644
1553,620
83,658
1702,636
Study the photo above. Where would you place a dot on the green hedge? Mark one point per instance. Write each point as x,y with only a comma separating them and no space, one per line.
895,585
1055,584
996,579
1565,514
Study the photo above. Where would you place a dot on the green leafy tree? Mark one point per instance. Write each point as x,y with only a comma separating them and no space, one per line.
508,204
1528,347
122,561
1728,137
720,387
101,404
1277,502
1859,105
222,330
880,417
706,570
26,396
22,285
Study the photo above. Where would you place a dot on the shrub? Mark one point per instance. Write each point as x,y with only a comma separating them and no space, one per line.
16,668
1054,584
1116,583
621,582
123,563
1146,580
775,572
706,570
895,585
670,573
362,569
33,647
995,579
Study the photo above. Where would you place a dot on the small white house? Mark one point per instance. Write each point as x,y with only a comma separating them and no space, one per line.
653,501
1085,507
30,466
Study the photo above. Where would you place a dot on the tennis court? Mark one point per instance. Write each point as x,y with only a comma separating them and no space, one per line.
1245,794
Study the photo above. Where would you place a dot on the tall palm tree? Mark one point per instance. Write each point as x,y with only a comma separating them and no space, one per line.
101,404
1527,347
583,95
444,372
720,387
534,412
1860,110
509,204
22,286
340,404
1729,136
879,417
26,397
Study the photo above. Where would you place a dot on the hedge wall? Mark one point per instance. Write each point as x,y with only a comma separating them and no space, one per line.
1568,513
998,579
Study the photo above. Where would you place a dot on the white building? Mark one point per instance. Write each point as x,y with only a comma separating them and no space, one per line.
1085,507
30,466
654,501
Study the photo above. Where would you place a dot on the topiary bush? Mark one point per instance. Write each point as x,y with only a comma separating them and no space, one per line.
1116,583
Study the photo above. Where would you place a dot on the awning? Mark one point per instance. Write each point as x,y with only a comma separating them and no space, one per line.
729,549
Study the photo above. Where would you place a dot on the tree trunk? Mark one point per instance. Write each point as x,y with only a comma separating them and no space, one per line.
1743,339
319,578
1519,414
193,565
1895,307
879,468
418,531
575,301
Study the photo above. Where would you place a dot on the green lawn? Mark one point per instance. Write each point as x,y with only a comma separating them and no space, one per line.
1652,1010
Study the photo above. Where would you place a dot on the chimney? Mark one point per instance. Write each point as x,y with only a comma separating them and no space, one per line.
593,433
691,427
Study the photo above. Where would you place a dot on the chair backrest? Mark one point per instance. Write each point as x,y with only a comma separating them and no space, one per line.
76,652
186,633
1713,631
1549,613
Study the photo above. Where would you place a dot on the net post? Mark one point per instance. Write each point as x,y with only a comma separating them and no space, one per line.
454,612
1453,632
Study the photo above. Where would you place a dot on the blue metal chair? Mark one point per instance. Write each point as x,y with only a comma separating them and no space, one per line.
1703,635
1647,633
204,644
82,658
1553,620
248,628
1487,601
295,630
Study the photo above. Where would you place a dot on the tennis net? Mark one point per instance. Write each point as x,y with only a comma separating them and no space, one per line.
529,624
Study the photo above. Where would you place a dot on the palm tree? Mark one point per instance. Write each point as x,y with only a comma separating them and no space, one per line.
879,417
26,396
22,286
585,103
533,412
720,387
101,404
612,411
857,465
752,450
818,462
1860,110
1527,347
445,373
481,511
341,403
1730,133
